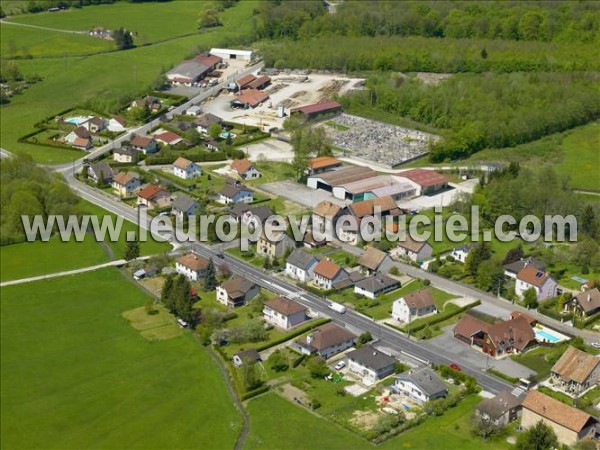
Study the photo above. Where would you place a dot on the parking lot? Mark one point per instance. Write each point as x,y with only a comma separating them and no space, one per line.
270,149
300,194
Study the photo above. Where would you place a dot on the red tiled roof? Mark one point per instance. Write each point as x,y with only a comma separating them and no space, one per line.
532,275
123,178
556,411
327,269
259,82
168,137
150,191
322,162
141,141
318,107
246,79
208,60
182,163
252,97
367,207
424,178
241,165
193,262
81,142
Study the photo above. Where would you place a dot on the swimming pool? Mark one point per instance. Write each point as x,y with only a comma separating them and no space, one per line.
542,335
76,120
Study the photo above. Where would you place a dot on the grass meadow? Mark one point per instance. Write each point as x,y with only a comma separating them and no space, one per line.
75,374
104,78
150,21
19,41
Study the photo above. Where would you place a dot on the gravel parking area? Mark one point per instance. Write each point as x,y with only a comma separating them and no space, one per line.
300,194
270,149
378,141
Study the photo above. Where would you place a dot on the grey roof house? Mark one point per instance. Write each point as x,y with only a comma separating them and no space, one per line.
376,285
299,265
421,385
184,205
370,364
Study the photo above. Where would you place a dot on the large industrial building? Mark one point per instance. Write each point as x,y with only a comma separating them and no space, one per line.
317,110
228,53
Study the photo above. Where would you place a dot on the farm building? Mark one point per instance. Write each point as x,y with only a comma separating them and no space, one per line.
249,98
187,72
428,181
318,110
208,60
322,164
327,181
228,53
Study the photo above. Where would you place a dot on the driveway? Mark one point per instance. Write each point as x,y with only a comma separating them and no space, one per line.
452,348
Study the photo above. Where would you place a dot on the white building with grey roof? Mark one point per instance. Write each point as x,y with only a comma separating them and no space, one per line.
420,385
370,364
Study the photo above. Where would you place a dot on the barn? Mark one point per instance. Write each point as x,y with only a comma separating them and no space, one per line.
228,53
317,110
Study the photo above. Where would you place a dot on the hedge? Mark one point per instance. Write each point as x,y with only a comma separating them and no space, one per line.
252,138
253,393
293,334
440,317
296,362
201,156
555,315
499,374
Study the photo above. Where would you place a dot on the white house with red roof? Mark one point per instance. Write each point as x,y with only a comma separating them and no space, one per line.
186,169
168,138
245,169
531,277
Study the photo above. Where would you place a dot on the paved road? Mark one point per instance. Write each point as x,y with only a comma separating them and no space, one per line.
117,263
464,290
388,337
7,22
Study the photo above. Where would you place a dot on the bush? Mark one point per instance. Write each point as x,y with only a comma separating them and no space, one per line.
450,258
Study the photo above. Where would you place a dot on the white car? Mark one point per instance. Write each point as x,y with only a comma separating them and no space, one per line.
340,365
595,344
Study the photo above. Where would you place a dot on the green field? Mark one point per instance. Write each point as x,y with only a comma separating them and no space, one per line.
19,41
75,374
297,427
151,21
105,78
30,259
574,152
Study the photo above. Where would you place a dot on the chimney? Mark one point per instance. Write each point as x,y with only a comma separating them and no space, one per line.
309,338
589,297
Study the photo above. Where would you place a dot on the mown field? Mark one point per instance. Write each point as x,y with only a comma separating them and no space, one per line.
105,78
296,429
20,41
75,374
152,21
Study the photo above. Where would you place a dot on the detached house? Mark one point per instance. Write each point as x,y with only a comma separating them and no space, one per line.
168,138
512,269
575,372
245,169
325,341
191,266
498,339
373,260
144,144
460,253
126,155
586,303
235,193
126,184
376,285
299,265
568,423
186,169
78,133
95,124
413,250
250,356
204,122
101,172
413,306
501,409
355,214
530,277
284,313
421,385
370,365
153,196
325,216
237,291
184,205
326,273
276,248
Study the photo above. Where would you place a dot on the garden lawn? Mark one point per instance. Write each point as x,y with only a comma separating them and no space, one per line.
75,374
271,171
108,79
270,412
19,41
30,259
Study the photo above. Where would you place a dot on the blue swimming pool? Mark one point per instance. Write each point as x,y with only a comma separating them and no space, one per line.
545,336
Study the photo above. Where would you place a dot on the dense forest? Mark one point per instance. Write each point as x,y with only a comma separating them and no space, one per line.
556,21
485,110
31,190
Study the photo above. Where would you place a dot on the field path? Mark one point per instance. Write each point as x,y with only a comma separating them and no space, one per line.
7,22
241,439
117,263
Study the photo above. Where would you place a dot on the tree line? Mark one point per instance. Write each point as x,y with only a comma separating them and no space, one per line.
490,110
28,189
421,54
558,21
